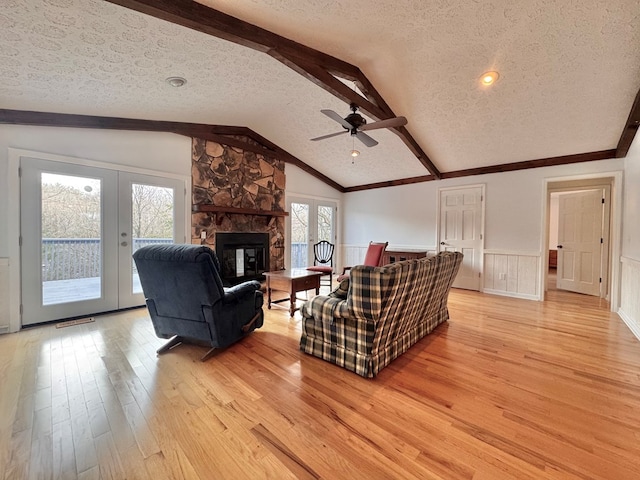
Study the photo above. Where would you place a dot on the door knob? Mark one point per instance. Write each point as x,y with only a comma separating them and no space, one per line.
124,244
559,246
442,243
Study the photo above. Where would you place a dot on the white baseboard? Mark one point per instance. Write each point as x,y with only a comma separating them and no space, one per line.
523,296
629,322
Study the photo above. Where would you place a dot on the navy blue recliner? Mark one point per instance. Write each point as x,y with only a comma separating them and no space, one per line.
186,299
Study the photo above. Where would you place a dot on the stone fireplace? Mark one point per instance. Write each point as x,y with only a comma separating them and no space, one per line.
238,191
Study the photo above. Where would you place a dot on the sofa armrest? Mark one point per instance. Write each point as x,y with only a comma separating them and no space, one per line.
325,308
238,292
342,290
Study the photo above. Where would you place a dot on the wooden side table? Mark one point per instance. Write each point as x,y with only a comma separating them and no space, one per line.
292,281
392,256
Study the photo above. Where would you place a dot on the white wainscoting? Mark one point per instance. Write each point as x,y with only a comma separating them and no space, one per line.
352,255
512,274
4,295
630,294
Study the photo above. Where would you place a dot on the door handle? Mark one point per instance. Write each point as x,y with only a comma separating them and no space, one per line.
559,246
124,244
442,243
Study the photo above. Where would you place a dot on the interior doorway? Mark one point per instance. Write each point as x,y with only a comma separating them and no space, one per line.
579,236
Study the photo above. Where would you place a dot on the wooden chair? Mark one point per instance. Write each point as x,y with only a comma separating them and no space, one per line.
323,260
373,257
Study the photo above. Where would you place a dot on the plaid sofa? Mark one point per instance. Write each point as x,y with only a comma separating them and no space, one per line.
377,314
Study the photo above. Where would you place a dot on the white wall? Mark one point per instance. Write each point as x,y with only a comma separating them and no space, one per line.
514,213
300,183
407,214
630,283
403,216
631,218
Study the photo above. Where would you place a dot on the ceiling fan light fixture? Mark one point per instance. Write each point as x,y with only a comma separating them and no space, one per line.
176,81
355,153
489,78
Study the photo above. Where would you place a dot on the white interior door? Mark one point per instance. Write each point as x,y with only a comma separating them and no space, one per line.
78,235
580,241
310,221
461,227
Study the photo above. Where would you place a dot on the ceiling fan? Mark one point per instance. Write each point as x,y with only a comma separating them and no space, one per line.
356,125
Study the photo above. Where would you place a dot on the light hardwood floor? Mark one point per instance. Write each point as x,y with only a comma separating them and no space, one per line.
507,389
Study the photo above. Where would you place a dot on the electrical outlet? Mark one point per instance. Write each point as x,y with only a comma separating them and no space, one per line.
203,235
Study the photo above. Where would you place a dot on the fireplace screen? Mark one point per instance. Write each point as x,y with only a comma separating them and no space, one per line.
243,256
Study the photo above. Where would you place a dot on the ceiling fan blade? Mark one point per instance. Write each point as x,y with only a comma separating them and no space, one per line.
366,139
388,123
328,136
334,116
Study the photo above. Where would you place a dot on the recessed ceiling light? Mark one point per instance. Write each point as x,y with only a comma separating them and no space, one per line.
176,81
489,78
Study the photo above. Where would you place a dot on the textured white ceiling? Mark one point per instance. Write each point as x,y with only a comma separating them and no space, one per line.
569,73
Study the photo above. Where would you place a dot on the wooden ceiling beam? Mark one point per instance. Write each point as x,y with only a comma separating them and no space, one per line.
335,87
380,111
630,129
204,19
217,133
505,167
316,66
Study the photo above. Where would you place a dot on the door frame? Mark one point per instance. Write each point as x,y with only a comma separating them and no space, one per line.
483,203
292,197
551,184
13,215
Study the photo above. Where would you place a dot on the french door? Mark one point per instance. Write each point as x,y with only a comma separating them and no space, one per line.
79,227
310,221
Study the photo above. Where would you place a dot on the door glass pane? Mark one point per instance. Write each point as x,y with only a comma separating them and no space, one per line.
152,220
71,238
299,235
325,223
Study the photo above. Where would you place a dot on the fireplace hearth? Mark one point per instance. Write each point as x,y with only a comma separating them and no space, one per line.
243,256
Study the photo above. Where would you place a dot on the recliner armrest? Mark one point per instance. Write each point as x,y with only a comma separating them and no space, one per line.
237,292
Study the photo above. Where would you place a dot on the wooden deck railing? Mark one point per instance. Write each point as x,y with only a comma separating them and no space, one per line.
69,258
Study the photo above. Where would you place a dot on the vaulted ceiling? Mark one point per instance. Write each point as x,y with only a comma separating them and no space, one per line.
569,76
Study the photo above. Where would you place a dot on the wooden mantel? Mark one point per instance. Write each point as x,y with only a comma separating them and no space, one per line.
208,208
